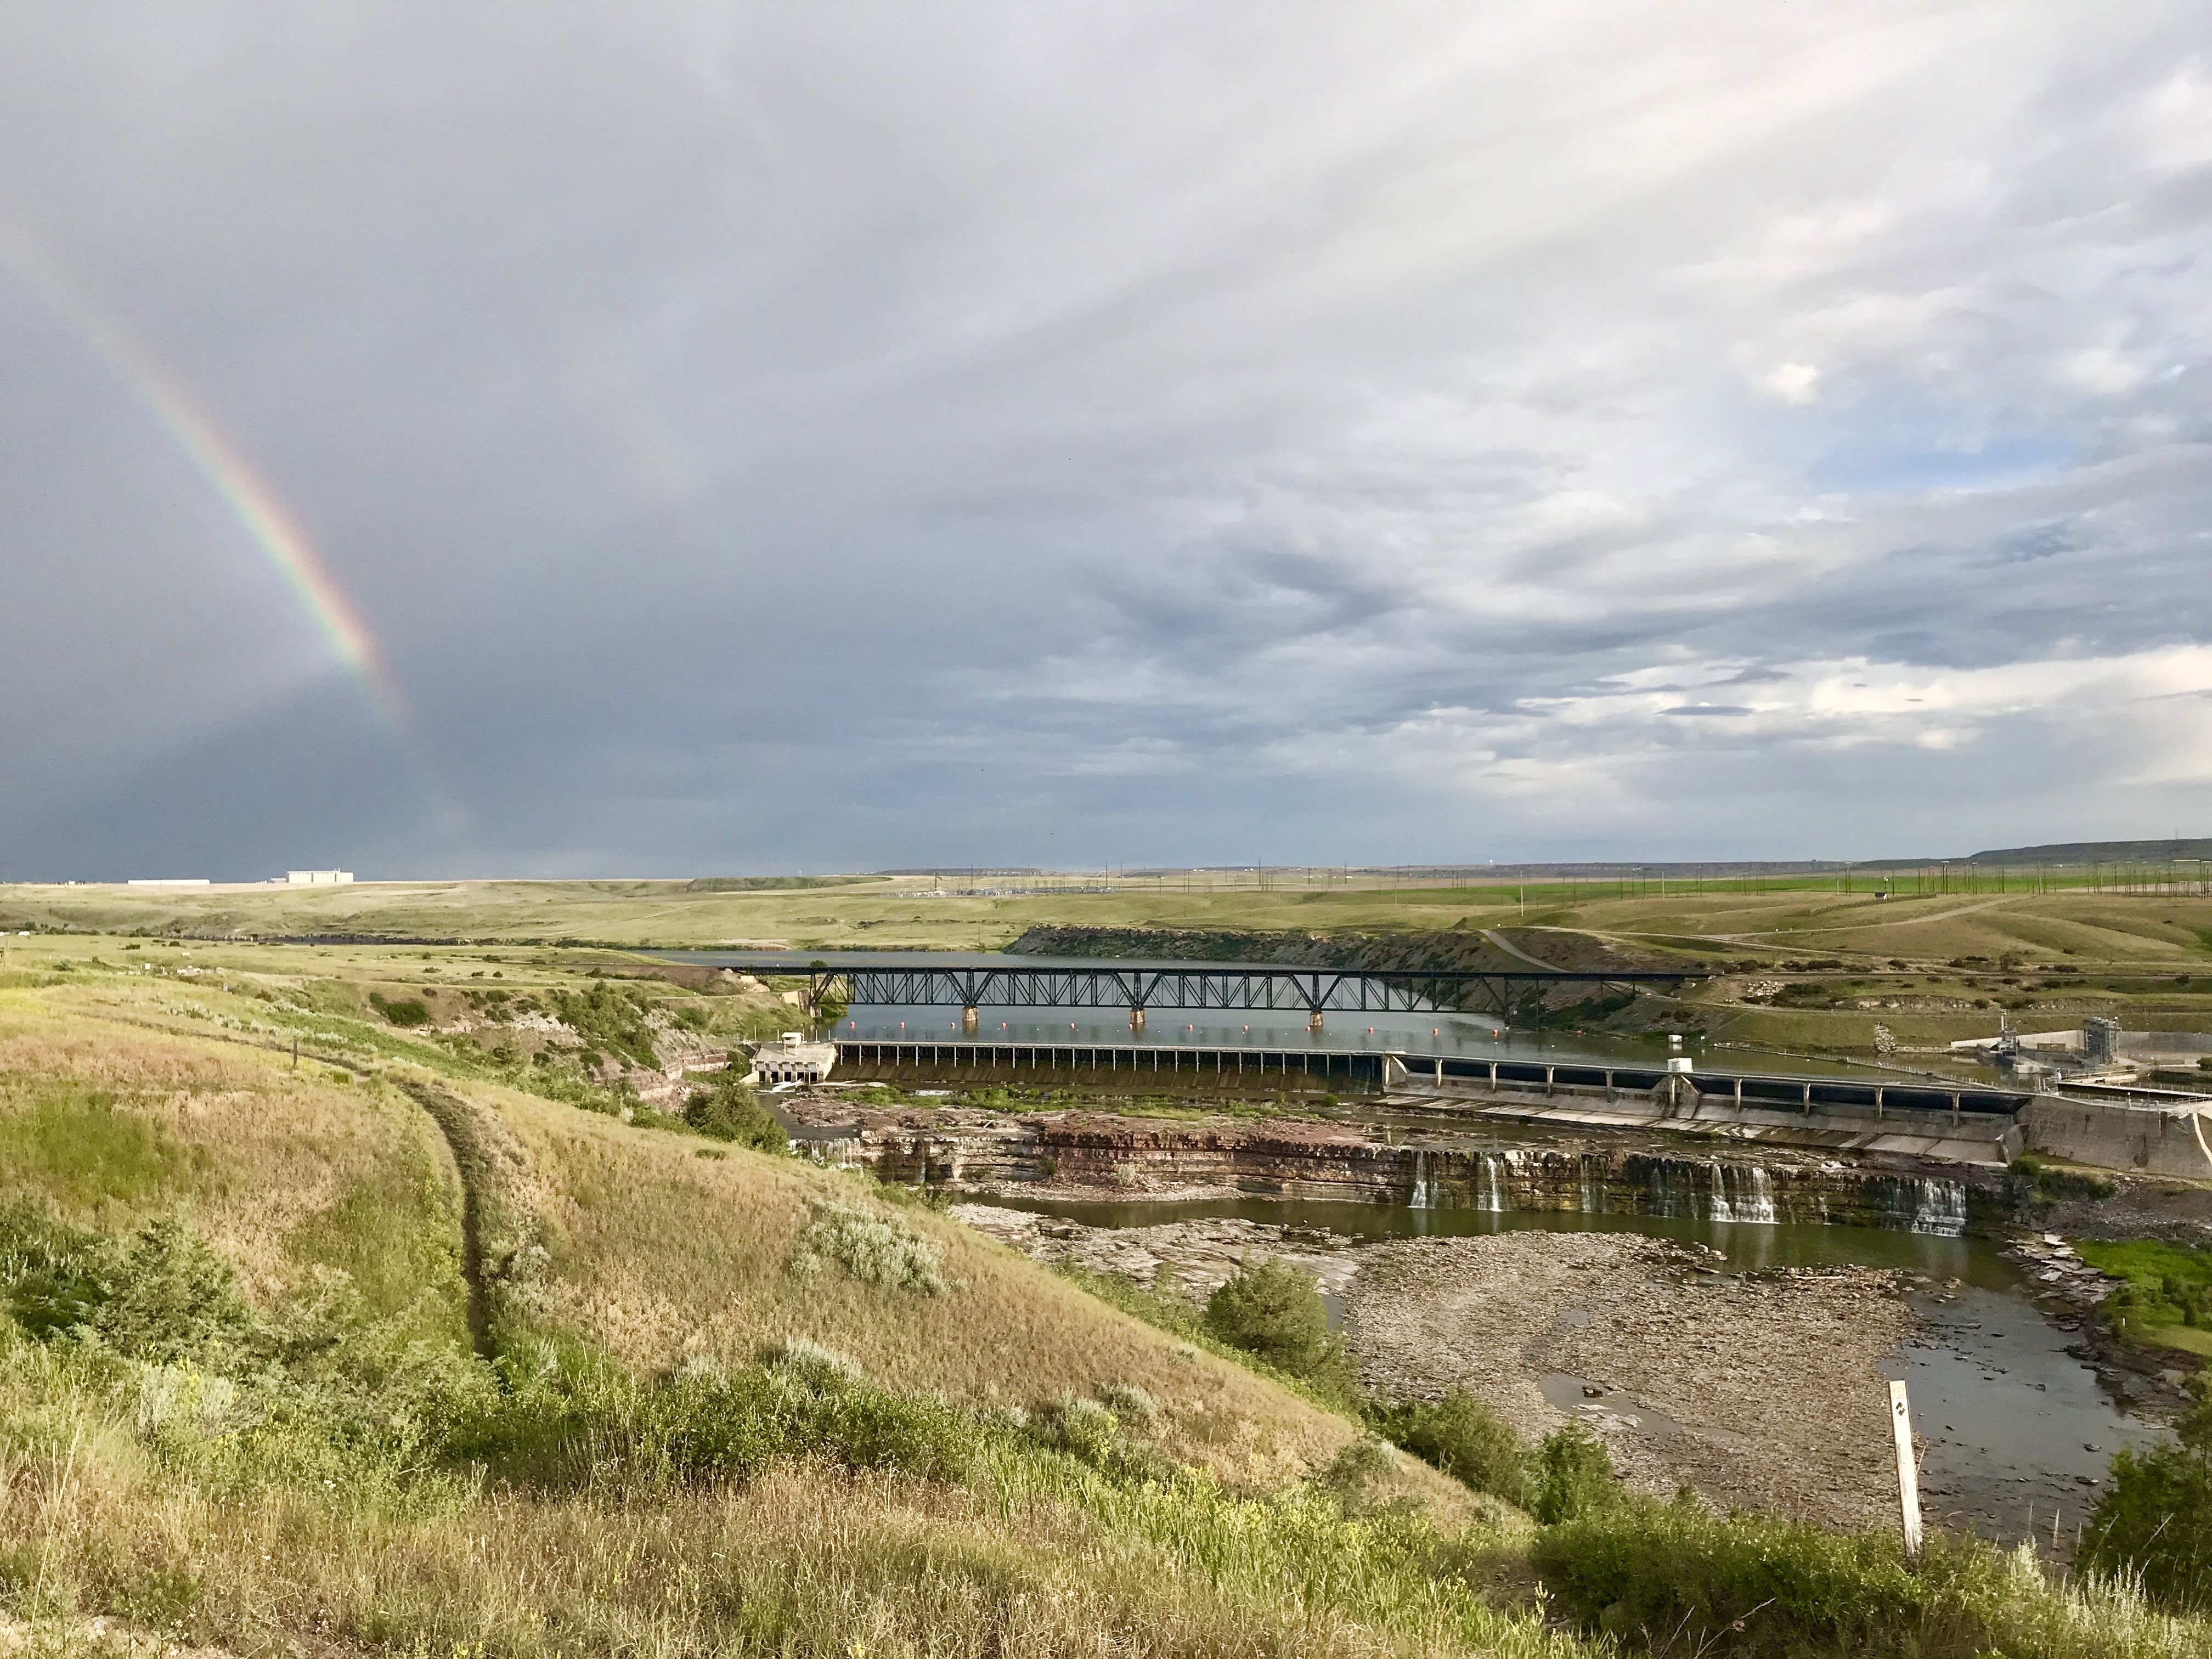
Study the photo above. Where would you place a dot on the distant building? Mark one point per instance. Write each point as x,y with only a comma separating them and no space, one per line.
318,878
794,1060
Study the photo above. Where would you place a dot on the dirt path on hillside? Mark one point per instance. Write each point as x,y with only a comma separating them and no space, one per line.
1512,949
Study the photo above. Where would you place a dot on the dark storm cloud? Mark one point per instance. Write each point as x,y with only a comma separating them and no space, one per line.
820,438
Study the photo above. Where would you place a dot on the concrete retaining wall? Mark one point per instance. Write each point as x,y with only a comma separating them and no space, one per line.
2155,1139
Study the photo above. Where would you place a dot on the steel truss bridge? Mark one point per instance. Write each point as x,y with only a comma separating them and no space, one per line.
1309,991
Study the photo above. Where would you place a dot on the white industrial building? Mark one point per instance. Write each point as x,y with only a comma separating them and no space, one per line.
318,878
794,1060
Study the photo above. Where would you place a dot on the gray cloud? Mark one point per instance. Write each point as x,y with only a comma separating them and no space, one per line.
836,440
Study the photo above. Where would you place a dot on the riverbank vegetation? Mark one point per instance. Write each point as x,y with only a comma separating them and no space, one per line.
2164,1299
2155,1522
1674,1577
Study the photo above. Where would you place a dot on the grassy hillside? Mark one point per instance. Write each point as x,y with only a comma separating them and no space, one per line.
655,1246
290,1173
382,1352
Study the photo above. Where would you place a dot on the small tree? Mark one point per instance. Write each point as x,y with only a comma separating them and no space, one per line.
728,1110
1275,1312
1573,1476
1463,1438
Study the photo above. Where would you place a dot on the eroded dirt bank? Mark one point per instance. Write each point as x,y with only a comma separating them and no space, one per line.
1760,1390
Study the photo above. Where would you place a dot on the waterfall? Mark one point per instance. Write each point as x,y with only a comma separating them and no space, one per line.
1939,1206
1740,1192
1720,1208
1422,1198
1492,1195
1758,1203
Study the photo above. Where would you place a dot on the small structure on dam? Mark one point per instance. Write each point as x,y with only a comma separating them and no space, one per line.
792,1059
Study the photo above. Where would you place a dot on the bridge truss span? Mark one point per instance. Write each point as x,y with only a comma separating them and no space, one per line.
1310,991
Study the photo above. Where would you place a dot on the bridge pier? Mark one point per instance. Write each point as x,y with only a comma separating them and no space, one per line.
1136,1019
1314,1024
968,1018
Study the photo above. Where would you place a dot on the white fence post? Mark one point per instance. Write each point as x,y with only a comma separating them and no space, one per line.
1908,1476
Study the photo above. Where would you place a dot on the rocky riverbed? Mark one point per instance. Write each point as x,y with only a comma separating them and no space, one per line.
1758,1390
1761,1391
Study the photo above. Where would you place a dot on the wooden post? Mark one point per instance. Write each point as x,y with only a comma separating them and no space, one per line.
1908,1477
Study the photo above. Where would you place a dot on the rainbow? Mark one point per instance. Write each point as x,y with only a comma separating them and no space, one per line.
250,500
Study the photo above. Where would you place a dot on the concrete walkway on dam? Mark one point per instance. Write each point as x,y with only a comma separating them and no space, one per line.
1958,1123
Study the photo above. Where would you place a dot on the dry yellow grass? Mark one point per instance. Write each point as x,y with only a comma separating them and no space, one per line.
800,1561
654,1252
659,1255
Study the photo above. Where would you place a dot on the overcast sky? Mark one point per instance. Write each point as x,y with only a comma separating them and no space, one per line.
832,437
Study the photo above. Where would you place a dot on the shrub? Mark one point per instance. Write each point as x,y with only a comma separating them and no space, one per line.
610,1018
1274,1310
1572,1477
1084,1428
1093,1434
2155,1520
566,1417
52,1278
728,1110
1353,1473
1465,1438
167,1299
173,1298
815,1364
1129,1402
874,1248
701,1424
408,1011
